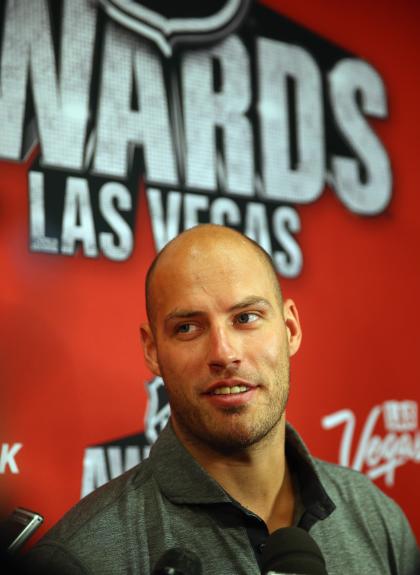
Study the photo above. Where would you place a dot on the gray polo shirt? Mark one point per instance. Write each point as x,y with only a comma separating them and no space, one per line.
170,501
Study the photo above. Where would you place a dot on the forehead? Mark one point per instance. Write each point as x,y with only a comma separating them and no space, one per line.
210,274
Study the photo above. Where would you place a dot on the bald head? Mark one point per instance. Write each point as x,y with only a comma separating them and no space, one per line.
191,247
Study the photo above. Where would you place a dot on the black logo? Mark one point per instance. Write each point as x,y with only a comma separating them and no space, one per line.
168,24
108,460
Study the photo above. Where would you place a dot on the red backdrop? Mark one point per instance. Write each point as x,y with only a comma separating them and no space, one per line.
72,368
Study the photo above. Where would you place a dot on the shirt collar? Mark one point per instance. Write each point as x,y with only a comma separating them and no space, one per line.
315,500
182,479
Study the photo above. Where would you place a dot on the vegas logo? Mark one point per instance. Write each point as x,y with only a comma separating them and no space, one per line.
375,454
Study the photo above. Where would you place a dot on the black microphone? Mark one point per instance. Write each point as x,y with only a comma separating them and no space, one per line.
292,550
177,561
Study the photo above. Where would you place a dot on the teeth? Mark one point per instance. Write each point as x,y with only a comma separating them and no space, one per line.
229,390
222,390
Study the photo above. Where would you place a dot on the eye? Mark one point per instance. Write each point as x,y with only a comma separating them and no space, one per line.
185,328
247,317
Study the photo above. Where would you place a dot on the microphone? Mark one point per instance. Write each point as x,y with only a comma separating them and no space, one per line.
177,561
292,550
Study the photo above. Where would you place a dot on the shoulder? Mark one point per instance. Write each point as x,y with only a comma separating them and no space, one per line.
348,486
94,531
360,503
366,519
344,478
98,520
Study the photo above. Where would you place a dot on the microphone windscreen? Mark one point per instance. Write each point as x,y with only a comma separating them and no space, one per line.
292,550
177,561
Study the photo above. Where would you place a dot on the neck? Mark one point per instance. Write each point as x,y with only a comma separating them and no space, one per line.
257,476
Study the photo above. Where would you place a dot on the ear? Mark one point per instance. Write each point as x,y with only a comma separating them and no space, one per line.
293,329
149,348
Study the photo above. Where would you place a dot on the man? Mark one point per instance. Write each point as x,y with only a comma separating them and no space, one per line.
227,471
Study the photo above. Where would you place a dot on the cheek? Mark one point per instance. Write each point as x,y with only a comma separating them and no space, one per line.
271,348
178,360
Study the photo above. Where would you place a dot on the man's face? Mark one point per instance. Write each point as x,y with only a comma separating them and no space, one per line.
221,342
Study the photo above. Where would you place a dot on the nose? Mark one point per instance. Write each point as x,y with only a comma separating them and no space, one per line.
223,353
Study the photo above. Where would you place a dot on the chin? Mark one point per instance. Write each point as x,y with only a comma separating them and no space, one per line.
238,438
236,430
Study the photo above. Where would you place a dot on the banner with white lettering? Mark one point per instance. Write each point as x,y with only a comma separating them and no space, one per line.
124,123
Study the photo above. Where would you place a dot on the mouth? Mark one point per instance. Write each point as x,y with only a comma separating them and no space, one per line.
231,393
229,387
225,390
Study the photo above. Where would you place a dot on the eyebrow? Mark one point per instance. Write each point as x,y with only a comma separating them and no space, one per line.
243,304
249,301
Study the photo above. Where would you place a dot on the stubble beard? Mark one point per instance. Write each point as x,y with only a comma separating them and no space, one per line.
231,431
